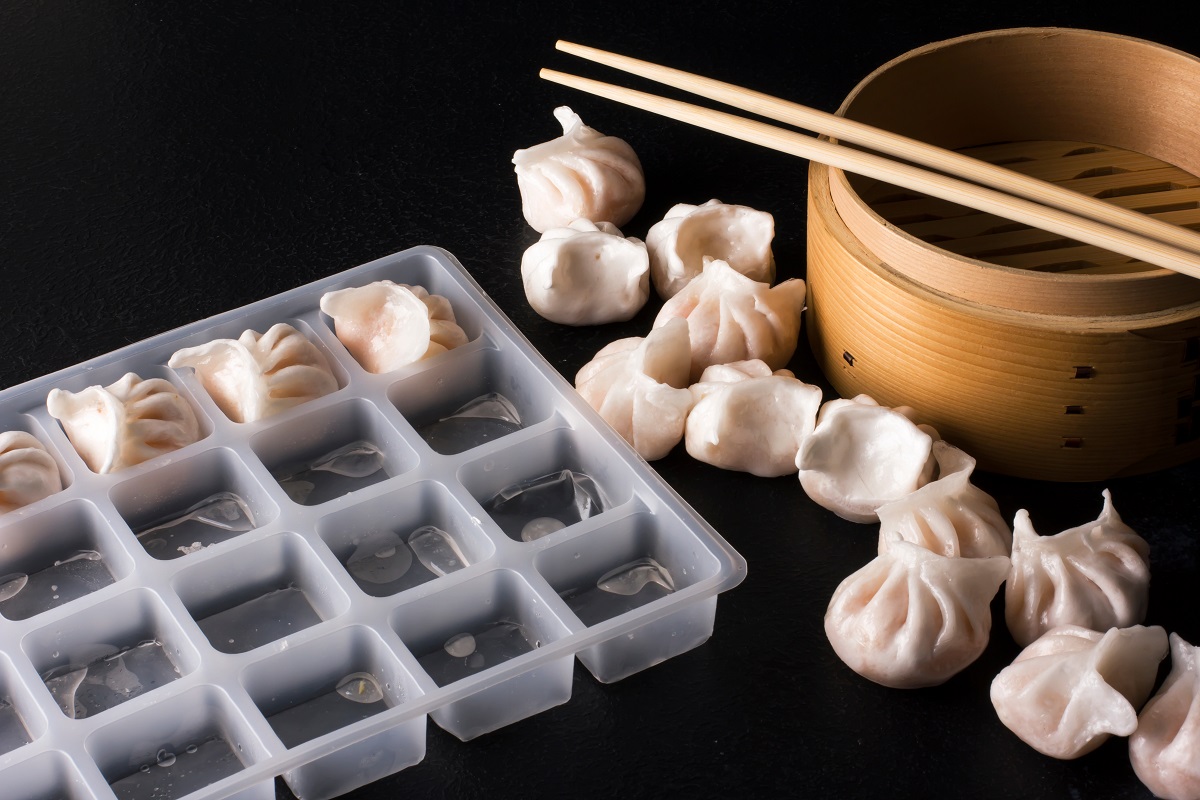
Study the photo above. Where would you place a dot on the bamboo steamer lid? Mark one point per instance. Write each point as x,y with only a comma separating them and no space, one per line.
1041,357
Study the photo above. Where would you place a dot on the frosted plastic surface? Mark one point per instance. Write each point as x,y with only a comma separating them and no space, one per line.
296,595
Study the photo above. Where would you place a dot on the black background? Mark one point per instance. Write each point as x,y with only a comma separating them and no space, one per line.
160,163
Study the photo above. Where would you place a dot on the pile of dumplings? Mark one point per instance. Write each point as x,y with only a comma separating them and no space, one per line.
711,373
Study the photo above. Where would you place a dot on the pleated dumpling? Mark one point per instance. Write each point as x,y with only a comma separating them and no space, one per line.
1096,575
734,318
949,515
581,174
387,325
680,242
586,274
258,375
124,423
862,455
637,385
913,618
27,472
1073,688
751,419
1165,748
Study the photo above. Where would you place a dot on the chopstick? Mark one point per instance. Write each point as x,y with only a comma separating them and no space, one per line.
1019,197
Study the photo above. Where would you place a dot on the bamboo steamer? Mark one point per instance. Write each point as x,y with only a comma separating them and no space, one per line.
1041,357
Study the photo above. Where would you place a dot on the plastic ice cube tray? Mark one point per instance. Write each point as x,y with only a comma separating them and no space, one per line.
209,724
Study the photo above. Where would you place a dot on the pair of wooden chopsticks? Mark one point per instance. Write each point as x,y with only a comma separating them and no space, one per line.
958,178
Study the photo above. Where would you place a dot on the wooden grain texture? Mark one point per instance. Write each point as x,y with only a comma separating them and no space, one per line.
1053,374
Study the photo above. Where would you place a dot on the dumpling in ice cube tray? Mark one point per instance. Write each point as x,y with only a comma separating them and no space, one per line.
1073,688
258,375
27,472
581,174
124,423
387,325
1096,575
680,242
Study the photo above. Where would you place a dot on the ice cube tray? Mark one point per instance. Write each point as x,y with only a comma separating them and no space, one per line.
214,723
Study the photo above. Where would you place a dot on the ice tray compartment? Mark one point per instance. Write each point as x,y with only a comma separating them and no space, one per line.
305,589
463,632
264,592
192,504
58,556
525,492
169,750
330,685
429,400
333,451
110,654
46,776
626,568
405,538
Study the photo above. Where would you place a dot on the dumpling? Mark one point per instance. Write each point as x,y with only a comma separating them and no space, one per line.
949,515
913,618
734,318
256,376
1096,575
1073,688
862,455
738,235
1165,748
27,472
124,423
637,385
586,274
751,419
581,174
387,325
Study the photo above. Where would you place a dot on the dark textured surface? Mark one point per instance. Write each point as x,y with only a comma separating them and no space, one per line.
160,163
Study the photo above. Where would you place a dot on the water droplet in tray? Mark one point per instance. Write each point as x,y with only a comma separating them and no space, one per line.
336,473
360,687
460,645
11,584
629,586
564,496
214,519
436,550
481,420
380,559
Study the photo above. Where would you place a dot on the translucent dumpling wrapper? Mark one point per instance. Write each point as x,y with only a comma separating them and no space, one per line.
27,472
387,325
1165,748
586,274
637,386
862,455
738,235
581,174
750,419
734,318
912,618
1073,688
949,515
1096,575
258,375
124,423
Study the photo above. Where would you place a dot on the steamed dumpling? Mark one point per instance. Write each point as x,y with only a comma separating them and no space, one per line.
680,242
387,325
1096,575
862,455
734,318
27,472
258,375
586,274
913,618
1073,688
581,174
949,515
1165,748
751,419
124,423
637,385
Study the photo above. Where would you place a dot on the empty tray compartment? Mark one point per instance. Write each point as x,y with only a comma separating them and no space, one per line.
45,776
